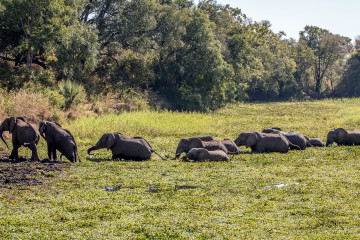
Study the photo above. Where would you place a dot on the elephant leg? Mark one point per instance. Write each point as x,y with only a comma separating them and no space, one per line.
34,155
14,153
54,155
49,147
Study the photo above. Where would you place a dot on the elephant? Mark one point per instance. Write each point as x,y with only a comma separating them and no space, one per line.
230,146
294,137
23,134
202,154
207,138
58,138
242,138
186,144
136,148
343,137
315,142
269,142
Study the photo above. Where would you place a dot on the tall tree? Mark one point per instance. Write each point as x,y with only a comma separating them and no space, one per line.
328,49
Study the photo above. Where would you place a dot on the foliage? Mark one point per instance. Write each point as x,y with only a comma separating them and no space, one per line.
72,93
350,83
311,194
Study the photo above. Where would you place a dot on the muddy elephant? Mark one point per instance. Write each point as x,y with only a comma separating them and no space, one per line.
122,147
269,142
294,137
343,137
23,134
58,138
242,138
202,154
315,142
186,144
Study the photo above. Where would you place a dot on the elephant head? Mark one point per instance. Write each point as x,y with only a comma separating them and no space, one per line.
199,154
9,125
43,125
242,138
186,144
106,141
252,140
336,135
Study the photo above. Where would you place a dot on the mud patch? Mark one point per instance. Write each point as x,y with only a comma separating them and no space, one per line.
24,172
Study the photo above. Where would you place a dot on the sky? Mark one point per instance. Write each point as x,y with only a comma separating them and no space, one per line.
338,16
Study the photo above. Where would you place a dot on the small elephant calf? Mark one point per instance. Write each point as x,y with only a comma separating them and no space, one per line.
202,154
60,139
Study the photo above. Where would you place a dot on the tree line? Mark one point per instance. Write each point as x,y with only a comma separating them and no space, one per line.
193,57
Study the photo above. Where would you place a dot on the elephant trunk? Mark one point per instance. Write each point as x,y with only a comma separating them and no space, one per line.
2,138
328,142
91,149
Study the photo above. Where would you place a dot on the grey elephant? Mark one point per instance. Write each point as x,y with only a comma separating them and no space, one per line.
58,138
186,144
315,142
294,137
202,154
269,142
242,138
23,134
228,143
343,137
123,147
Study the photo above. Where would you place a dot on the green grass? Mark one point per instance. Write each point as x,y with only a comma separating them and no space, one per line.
159,199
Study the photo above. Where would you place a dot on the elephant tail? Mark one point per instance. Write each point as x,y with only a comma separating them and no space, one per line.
37,137
293,146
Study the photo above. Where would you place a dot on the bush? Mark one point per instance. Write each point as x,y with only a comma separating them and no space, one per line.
72,92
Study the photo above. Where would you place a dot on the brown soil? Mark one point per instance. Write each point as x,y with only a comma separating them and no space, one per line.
27,173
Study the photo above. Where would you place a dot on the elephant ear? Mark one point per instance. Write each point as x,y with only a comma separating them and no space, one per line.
21,118
251,140
42,128
12,124
110,141
340,133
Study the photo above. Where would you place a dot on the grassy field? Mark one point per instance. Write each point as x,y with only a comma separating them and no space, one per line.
311,194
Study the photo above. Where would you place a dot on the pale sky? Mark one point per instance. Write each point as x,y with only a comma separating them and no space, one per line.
338,16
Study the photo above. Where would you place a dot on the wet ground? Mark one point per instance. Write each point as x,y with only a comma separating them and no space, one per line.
24,172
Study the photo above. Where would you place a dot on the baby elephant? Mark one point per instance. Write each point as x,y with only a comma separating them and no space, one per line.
186,144
60,139
123,147
202,154
315,142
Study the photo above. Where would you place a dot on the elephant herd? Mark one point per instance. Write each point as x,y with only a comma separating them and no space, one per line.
137,148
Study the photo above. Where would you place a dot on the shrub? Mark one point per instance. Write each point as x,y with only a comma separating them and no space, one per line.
72,92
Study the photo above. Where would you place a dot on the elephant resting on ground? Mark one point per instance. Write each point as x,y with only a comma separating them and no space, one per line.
269,142
123,147
202,154
58,138
23,134
228,143
294,137
186,144
242,138
315,142
343,137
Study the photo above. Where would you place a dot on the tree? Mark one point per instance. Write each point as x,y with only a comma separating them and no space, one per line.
328,49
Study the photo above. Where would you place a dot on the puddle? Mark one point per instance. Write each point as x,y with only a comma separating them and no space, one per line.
111,189
280,185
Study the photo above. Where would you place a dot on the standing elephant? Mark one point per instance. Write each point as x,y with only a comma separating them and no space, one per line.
343,137
186,144
269,142
58,138
123,147
202,154
315,142
23,134
294,137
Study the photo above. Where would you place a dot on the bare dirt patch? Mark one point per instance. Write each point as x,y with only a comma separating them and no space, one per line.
27,173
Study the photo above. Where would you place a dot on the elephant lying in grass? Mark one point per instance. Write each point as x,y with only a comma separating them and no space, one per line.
315,142
343,137
202,154
269,142
228,143
294,137
123,147
58,138
23,134
186,144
